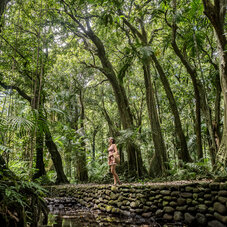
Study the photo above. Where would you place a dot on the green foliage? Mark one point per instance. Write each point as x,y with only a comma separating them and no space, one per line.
21,198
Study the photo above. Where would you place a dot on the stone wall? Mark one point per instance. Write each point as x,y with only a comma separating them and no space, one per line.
195,204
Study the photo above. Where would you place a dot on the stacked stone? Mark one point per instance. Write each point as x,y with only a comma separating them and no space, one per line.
194,204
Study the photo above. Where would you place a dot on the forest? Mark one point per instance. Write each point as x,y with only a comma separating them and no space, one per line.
150,73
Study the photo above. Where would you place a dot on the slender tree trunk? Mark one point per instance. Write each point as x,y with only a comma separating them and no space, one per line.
158,164
184,154
56,157
39,155
68,159
216,125
93,142
82,173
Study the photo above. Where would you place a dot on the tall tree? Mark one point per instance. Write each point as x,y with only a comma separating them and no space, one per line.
216,13
85,31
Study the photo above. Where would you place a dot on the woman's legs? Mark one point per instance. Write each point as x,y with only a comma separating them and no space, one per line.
115,176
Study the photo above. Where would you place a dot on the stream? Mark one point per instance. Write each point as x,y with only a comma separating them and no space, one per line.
73,215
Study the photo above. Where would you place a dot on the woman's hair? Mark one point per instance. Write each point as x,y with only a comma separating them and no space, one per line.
113,140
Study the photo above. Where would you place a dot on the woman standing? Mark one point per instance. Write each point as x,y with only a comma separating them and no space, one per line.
111,160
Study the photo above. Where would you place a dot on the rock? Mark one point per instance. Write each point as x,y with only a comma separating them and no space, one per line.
167,217
215,223
167,198
125,213
181,201
182,208
165,192
172,203
194,202
219,208
175,193
168,209
177,216
223,186
202,208
189,219
61,206
207,196
153,208
220,217
108,208
134,204
158,196
195,190
189,189
148,203
146,208
115,210
159,212
209,217
211,210
188,201
214,186
165,203
208,202
138,211
201,219
191,209
222,199
147,215
195,196
151,198
222,193
186,194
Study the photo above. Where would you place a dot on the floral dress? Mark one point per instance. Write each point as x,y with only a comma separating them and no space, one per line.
111,159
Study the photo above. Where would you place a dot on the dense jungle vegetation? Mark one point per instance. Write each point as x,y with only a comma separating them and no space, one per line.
150,73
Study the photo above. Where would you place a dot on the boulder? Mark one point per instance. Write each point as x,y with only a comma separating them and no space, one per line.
167,217
189,219
202,208
201,219
168,209
147,215
177,216
215,223
220,217
219,207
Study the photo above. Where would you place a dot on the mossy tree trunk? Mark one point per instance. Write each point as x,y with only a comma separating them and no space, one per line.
216,13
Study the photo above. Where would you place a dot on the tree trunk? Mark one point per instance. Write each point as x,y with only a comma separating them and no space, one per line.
216,125
216,13
93,143
192,74
40,167
81,165
158,164
135,162
183,155
56,157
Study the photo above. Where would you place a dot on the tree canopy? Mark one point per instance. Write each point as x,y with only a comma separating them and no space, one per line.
151,74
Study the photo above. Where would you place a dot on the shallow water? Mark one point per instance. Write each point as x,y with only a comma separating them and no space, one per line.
85,217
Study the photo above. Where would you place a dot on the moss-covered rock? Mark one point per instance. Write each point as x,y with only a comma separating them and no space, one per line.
220,217
219,207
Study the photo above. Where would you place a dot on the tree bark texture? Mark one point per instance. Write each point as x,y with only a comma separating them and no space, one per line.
56,158
40,167
184,154
134,154
81,166
216,13
158,164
